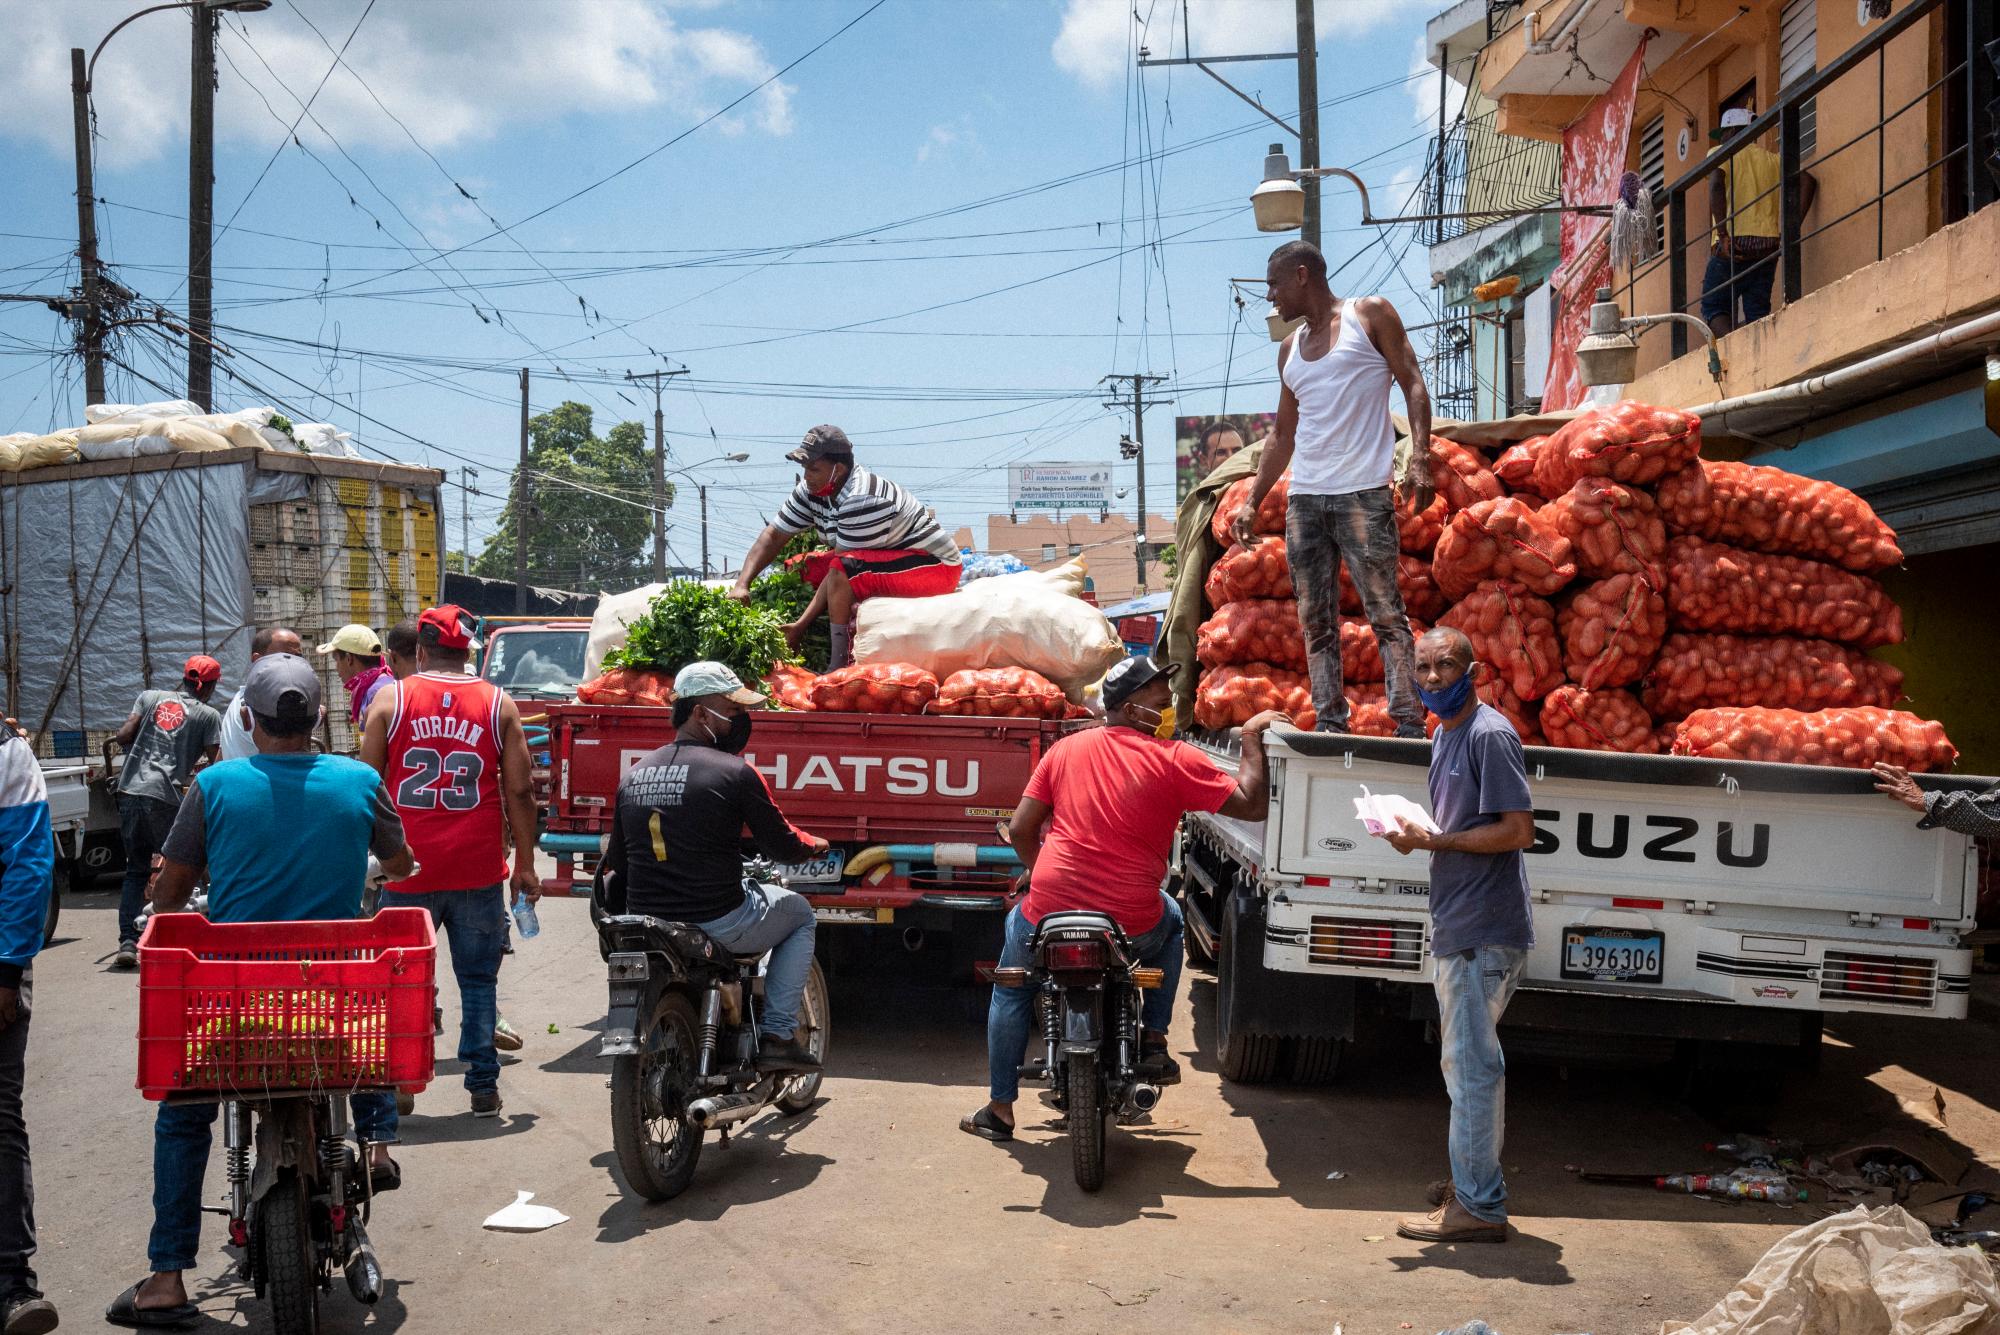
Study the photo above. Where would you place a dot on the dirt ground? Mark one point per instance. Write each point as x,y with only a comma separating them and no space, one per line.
872,1212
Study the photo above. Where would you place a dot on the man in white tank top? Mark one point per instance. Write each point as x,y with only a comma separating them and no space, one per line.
1334,433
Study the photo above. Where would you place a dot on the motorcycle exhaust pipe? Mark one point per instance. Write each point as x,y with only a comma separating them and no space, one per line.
1144,1098
913,939
364,1271
724,1109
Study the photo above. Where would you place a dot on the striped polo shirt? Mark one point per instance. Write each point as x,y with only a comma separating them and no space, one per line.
868,513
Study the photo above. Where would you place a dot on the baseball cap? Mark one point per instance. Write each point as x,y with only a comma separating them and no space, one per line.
708,678
821,441
276,676
354,638
203,669
448,620
1128,677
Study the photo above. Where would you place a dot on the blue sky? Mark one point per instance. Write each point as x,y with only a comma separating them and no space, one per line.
898,182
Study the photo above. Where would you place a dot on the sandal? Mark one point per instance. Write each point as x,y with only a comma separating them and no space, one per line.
986,1126
125,1311
384,1177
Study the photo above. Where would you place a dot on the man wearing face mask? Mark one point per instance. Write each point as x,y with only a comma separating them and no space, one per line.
677,852
886,543
1481,927
1110,800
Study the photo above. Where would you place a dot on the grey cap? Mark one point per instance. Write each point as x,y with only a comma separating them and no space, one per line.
276,676
1128,677
821,441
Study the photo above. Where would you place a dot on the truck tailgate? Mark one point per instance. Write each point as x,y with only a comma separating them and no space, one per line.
1646,827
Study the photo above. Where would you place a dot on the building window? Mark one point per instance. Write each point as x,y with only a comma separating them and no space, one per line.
1653,170
1076,549
1798,58
1516,387
1048,551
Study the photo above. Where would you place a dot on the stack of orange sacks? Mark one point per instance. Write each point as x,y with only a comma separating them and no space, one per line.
1624,594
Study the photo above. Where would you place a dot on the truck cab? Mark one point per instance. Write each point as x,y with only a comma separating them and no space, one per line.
533,658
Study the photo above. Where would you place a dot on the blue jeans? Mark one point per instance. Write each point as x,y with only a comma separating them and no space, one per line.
772,918
1011,1013
1738,281
475,922
143,823
1473,989
182,1134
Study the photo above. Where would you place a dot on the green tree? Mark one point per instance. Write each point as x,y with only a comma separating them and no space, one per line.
454,562
588,525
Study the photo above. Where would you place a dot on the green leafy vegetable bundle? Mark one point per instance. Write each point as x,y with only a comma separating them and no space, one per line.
689,622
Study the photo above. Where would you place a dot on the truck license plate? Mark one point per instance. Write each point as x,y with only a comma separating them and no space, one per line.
820,871
1612,954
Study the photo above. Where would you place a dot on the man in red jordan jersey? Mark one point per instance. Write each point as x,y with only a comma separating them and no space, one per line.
450,749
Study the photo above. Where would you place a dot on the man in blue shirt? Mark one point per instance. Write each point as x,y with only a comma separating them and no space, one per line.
27,861
1481,927
285,835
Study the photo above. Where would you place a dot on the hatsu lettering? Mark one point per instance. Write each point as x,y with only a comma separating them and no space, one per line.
428,727
892,776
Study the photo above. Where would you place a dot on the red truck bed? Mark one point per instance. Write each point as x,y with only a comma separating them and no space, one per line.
908,801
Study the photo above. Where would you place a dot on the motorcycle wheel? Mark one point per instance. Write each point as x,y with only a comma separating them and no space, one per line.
657,1146
816,1016
1086,1122
285,1239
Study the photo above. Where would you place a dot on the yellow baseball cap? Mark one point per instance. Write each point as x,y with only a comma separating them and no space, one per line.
354,638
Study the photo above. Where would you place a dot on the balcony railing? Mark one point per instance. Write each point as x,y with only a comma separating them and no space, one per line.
1473,168
1933,156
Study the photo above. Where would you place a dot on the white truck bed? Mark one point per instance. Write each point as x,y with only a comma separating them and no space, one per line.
1652,877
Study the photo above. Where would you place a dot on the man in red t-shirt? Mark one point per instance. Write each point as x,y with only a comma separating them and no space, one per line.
1094,830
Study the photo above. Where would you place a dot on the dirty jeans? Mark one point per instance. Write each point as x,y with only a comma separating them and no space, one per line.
17,1182
775,919
1473,988
182,1135
1010,1015
475,921
1359,528
143,825
1740,281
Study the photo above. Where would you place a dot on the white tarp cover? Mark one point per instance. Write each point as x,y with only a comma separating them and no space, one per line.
161,569
1864,1272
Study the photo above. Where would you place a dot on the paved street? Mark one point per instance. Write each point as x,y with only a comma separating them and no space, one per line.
872,1212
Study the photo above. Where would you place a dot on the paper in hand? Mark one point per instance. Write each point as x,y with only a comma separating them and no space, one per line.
1389,813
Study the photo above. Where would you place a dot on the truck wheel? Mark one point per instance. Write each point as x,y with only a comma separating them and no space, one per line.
1243,1056
1315,1061
59,884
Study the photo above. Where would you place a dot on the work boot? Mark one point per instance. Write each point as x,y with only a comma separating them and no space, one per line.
485,1103
1450,1222
1436,1192
784,1054
127,956
28,1313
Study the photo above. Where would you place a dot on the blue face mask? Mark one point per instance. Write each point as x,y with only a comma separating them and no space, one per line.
1451,701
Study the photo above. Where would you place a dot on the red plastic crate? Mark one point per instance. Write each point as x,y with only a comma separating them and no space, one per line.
240,1009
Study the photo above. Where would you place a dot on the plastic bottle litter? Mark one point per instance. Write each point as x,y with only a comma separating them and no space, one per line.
1740,1186
525,921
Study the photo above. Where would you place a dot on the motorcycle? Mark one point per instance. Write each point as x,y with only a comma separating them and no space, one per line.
682,1036
301,1211
1089,989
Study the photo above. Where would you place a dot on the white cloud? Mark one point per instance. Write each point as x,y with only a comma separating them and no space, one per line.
452,72
1092,43
946,139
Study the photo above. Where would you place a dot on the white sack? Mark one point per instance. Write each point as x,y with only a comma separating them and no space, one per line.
1025,620
182,434
58,447
615,611
1874,1271
10,450
98,413
322,438
123,440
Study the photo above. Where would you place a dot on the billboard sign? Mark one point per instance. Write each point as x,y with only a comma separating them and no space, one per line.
1059,486
1202,444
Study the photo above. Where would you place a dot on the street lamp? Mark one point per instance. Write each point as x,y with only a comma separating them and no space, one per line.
1609,355
201,194
702,489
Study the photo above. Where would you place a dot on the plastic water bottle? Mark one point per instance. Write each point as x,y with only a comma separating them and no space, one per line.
525,921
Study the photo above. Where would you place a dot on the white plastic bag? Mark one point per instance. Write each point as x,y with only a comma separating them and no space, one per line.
1387,813
615,612
97,414
1028,621
124,439
521,1217
323,438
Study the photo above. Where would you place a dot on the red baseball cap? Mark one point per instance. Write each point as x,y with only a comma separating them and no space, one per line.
448,620
202,669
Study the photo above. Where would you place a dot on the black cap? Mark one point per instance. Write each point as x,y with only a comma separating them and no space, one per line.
821,441
1126,679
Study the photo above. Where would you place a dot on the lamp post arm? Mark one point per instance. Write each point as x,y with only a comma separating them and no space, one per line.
91,66
1633,322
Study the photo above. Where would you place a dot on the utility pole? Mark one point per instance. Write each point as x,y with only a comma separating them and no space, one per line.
201,210
521,504
703,488
1309,117
89,327
1136,450
658,379
467,488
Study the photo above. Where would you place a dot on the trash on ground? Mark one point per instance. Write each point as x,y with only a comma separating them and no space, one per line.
1469,1328
521,1217
1335,1175
1743,1184
1874,1270
1372,1237
1897,1148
